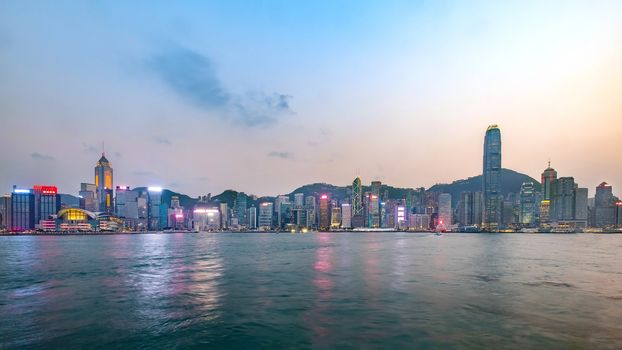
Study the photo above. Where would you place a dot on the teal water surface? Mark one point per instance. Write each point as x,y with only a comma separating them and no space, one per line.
317,290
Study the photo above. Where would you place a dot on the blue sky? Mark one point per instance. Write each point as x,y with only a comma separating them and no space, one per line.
266,96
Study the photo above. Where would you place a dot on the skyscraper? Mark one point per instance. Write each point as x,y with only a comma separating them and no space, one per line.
47,202
470,208
375,188
563,199
5,211
103,183
346,215
155,219
604,206
241,208
444,210
299,199
358,218
373,211
324,213
492,178
335,217
311,207
88,197
252,217
266,211
527,215
549,176
22,209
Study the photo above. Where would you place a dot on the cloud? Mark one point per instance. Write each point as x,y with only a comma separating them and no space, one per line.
282,155
90,148
163,140
192,76
39,156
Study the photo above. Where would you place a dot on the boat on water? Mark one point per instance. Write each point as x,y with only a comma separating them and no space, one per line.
179,231
370,229
530,230
470,229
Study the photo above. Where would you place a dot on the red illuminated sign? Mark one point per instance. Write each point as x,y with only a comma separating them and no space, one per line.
324,196
45,189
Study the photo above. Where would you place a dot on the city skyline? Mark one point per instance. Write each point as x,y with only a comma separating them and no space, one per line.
394,92
103,162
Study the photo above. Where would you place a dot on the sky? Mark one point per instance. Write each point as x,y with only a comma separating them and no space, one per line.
266,96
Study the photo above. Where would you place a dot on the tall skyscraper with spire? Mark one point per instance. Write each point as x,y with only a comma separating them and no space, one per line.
103,184
548,178
491,184
357,203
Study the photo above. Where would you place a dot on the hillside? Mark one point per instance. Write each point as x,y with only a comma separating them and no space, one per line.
511,182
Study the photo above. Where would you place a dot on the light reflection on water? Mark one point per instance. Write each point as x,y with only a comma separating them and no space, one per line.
351,290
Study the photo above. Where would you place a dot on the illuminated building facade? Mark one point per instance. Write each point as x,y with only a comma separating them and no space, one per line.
103,183
527,216
324,223
224,215
22,209
373,210
156,211
126,202
266,210
47,203
401,217
310,204
548,177
176,217
492,178
205,218
335,218
444,210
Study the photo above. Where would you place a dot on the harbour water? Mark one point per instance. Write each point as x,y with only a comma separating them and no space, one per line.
314,290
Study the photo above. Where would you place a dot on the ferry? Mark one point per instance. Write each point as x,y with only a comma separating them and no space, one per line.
377,229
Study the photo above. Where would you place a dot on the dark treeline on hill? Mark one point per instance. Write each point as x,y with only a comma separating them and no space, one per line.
511,182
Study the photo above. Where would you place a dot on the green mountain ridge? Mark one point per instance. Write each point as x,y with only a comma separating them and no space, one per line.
511,182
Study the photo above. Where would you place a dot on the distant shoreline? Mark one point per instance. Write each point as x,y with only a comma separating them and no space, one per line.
96,233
